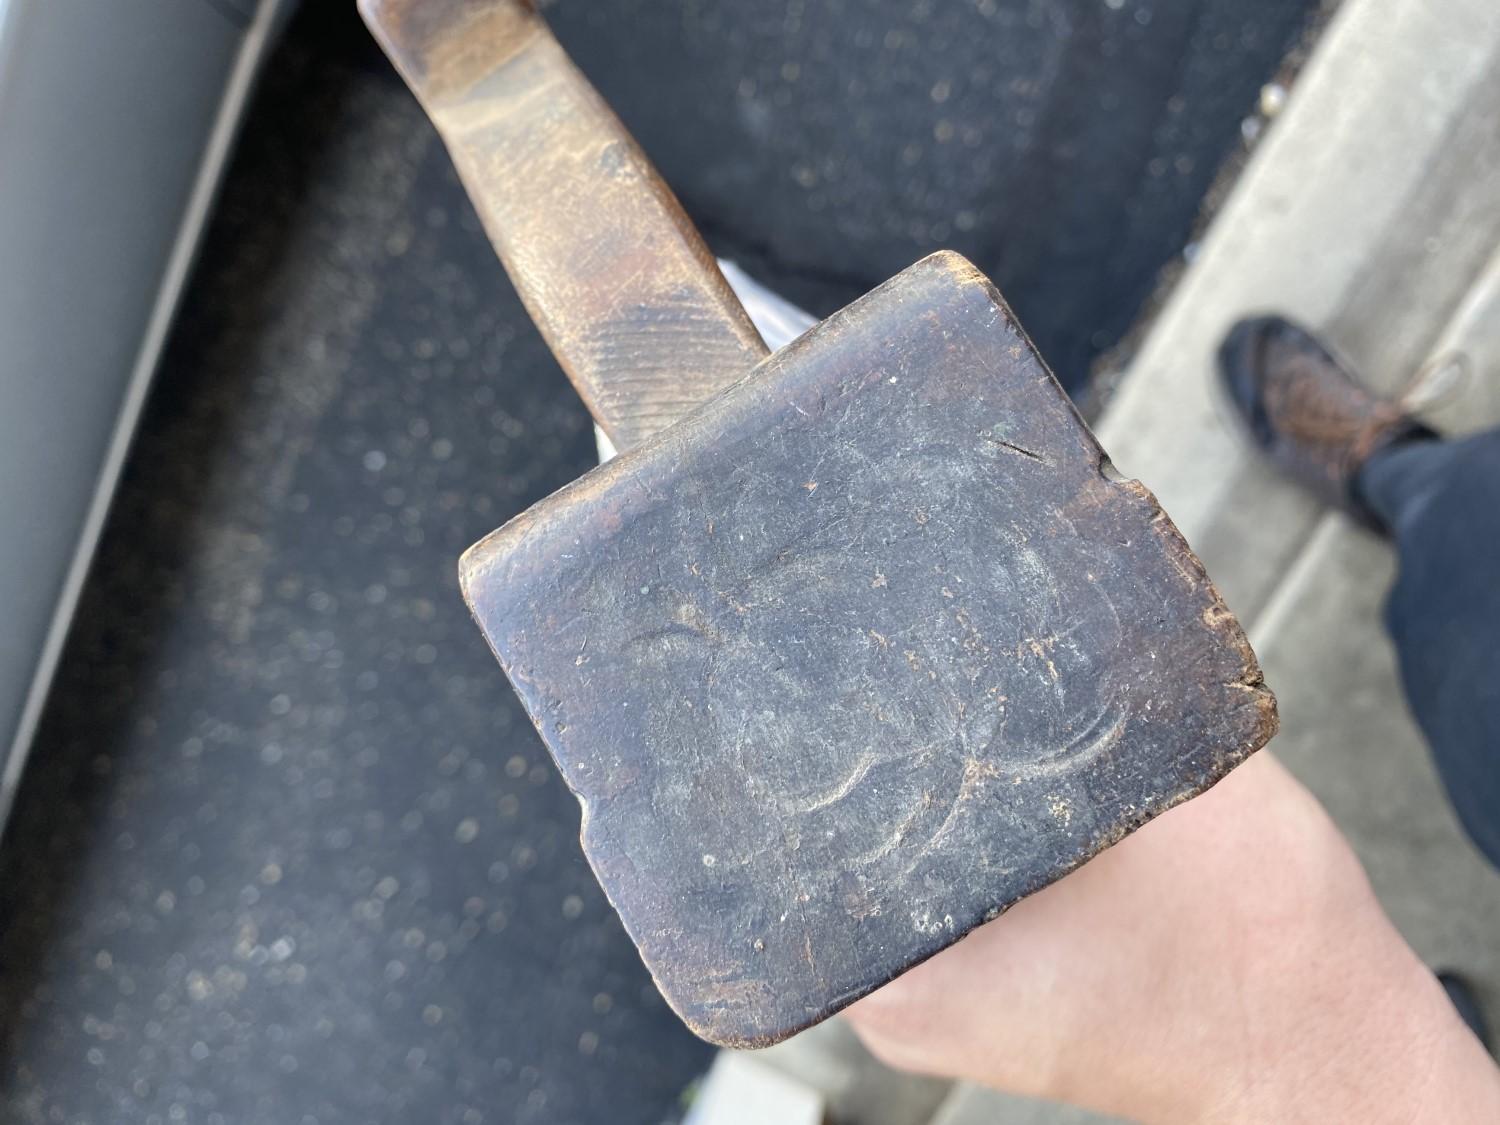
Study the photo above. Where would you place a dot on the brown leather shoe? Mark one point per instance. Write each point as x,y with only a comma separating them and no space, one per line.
1307,412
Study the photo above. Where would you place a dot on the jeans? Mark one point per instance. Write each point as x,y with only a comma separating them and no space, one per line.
1441,502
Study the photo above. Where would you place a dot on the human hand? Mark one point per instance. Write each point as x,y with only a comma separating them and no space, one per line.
1228,962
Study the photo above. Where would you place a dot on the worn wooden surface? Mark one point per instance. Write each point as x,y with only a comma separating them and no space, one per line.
859,655
613,272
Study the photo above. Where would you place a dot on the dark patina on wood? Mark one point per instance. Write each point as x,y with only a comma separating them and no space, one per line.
859,654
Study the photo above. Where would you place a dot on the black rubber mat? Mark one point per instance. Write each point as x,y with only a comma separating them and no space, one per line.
288,850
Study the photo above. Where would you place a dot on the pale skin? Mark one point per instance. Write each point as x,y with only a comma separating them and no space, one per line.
1227,963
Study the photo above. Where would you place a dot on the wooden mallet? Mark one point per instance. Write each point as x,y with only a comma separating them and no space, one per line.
854,645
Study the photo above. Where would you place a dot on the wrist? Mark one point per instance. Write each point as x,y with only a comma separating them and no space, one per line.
1317,1009
1370,1036
1227,963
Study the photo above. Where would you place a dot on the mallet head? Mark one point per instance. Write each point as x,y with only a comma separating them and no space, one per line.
858,655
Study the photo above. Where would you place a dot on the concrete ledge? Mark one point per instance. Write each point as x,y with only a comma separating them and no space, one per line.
1367,212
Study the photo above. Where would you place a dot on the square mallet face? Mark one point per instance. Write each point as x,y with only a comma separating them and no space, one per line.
858,655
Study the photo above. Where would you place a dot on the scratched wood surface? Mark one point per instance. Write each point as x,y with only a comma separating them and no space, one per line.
613,272
860,654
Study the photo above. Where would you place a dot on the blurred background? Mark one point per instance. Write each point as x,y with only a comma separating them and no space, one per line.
284,847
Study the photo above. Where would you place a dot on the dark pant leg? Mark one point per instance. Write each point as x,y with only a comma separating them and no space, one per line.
1441,501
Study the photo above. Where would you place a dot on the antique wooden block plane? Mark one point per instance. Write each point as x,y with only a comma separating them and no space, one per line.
855,645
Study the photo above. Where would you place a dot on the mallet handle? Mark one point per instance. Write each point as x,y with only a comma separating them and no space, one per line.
610,267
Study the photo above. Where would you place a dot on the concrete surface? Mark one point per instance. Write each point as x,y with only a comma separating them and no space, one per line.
741,1089
1367,211
1345,728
